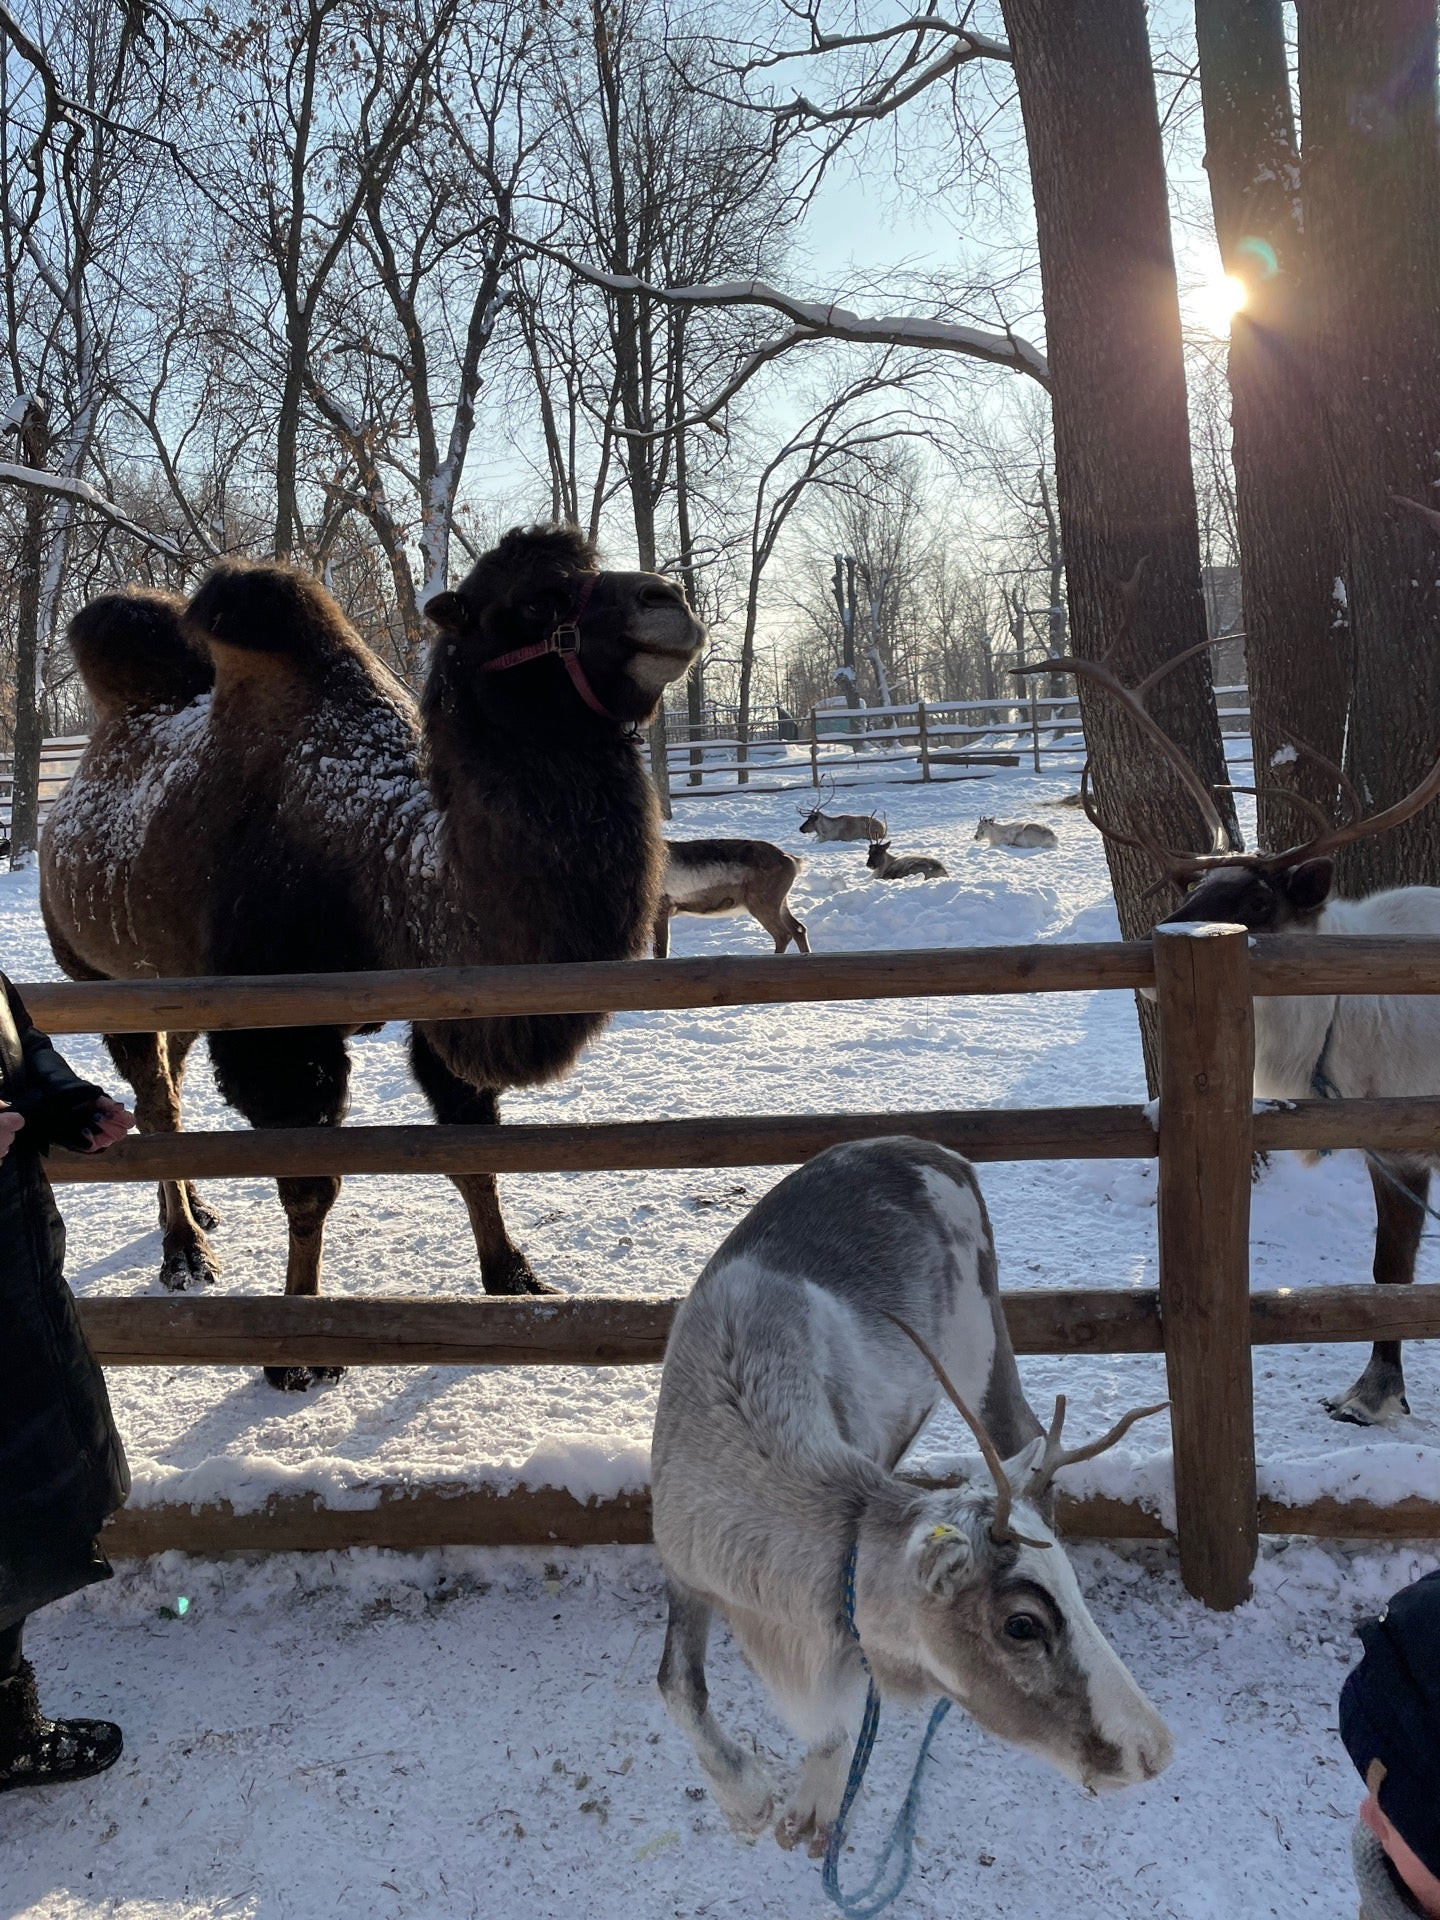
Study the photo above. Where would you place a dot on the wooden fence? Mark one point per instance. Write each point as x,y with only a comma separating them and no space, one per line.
933,737
1202,1315
58,760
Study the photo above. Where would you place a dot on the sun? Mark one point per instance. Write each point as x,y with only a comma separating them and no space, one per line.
1215,303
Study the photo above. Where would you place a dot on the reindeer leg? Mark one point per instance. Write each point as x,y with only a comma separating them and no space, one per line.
660,945
814,1806
1379,1394
187,1259
454,1102
743,1789
291,1077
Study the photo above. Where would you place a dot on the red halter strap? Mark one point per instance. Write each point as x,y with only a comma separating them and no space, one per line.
565,640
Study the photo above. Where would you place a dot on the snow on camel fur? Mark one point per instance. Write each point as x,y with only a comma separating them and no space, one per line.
300,816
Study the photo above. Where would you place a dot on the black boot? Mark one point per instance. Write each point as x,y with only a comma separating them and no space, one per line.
35,1752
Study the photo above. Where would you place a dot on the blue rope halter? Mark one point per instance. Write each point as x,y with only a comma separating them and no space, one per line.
900,1846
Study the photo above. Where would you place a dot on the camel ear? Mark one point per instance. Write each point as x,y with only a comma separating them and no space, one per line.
448,611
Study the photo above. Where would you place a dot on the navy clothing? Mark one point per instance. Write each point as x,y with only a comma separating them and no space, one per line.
1390,1712
62,1468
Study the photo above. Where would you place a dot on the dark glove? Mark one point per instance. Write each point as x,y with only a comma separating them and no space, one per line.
57,1119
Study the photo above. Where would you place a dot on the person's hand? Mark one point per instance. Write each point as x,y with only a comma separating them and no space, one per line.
111,1123
10,1124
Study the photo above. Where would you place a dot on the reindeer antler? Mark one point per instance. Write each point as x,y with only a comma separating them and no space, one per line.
1055,1456
1001,1530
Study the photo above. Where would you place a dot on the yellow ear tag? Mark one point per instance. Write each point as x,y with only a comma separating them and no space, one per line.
942,1532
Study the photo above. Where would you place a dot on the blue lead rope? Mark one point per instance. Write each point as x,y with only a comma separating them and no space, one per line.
872,1899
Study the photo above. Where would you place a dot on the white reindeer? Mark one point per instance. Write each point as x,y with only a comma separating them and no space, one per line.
1352,1046
1015,833
730,876
808,1357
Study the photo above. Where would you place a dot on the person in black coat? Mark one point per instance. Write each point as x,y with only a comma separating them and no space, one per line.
62,1468
1390,1723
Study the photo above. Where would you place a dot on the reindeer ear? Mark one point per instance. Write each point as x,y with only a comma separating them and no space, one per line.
1021,1467
1307,887
448,611
947,1561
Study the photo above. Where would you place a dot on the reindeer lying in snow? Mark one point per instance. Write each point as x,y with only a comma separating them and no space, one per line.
894,866
798,1372
1015,833
730,876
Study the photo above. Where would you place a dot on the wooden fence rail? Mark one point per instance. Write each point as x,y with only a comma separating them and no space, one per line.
1202,1316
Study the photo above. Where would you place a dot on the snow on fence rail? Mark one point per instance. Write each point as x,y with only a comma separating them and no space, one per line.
1202,1315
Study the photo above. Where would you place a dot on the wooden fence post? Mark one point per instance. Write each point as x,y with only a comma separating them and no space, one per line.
924,743
814,750
1207,1064
1035,726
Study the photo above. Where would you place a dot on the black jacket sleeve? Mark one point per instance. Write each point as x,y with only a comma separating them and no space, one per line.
56,1103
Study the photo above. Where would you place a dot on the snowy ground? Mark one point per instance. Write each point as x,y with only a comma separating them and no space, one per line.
264,1777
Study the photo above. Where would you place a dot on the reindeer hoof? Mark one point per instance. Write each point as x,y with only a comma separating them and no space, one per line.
747,1801
799,1827
184,1269
301,1379
1357,1412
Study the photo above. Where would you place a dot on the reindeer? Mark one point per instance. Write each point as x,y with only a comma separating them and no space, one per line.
890,866
730,876
1014,833
812,1351
1351,1046
840,826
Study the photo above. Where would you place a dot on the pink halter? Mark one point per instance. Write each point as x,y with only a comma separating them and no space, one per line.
564,640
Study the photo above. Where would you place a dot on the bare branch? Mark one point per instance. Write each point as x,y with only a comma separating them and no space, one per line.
62,487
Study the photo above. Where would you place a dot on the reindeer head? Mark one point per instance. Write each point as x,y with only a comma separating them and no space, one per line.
879,853
621,637
997,1622
1266,892
986,820
810,822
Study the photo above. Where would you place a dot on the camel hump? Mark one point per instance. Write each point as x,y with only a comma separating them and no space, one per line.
133,651
263,620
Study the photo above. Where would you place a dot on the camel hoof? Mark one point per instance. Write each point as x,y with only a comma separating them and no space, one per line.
516,1277
301,1379
186,1269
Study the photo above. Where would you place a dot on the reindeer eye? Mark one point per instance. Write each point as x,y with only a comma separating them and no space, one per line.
1023,1626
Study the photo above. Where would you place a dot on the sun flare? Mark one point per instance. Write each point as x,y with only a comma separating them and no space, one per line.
1215,303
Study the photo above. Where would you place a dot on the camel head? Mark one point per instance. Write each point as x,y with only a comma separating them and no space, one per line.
621,638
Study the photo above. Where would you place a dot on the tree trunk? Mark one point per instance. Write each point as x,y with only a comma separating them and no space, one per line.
29,689
1296,639
694,685
1372,210
1123,484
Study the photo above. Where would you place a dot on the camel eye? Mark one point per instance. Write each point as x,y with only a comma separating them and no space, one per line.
1023,1626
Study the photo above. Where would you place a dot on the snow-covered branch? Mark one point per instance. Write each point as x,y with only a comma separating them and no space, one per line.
813,321
81,493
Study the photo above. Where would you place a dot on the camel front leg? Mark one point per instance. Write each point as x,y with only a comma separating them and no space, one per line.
454,1102
187,1258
